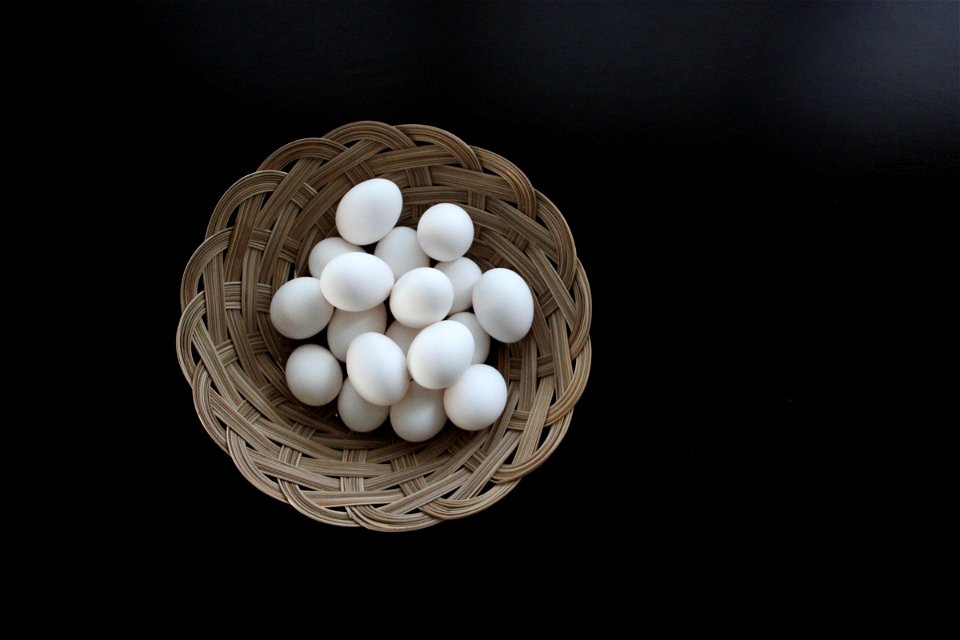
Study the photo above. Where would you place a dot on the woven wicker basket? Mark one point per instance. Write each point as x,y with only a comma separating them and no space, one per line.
260,235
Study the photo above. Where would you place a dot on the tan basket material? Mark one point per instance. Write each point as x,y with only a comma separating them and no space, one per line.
260,235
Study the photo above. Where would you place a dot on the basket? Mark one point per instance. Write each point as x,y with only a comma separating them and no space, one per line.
260,235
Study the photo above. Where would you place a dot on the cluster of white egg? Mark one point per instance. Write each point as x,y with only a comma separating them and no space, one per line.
428,365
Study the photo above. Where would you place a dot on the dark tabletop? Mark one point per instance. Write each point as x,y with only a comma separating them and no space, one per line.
768,181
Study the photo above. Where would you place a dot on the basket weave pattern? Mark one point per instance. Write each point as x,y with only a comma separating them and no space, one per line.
260,236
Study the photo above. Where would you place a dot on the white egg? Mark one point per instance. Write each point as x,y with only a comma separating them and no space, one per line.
481,341
402,335
299,309
401,251
463,274
358,414
421,297
503,304
378,369
326,250
477,399
313,375
369,210
420,415
346,325
440,354
445,232
356,281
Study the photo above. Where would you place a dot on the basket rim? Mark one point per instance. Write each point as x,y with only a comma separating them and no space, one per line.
259,232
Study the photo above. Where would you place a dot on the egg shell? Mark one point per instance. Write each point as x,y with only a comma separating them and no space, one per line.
358,414
420,415
463,274
445,231
313,375
326,250
421,297
477,399
401,251
356,281
402,335
368,211
346,325
503,304
481,341
299,309
440,354
378,369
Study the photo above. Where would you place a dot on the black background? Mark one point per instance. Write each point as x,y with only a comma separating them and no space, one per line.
766,182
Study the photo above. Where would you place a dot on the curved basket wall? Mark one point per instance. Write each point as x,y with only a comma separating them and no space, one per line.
260,236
